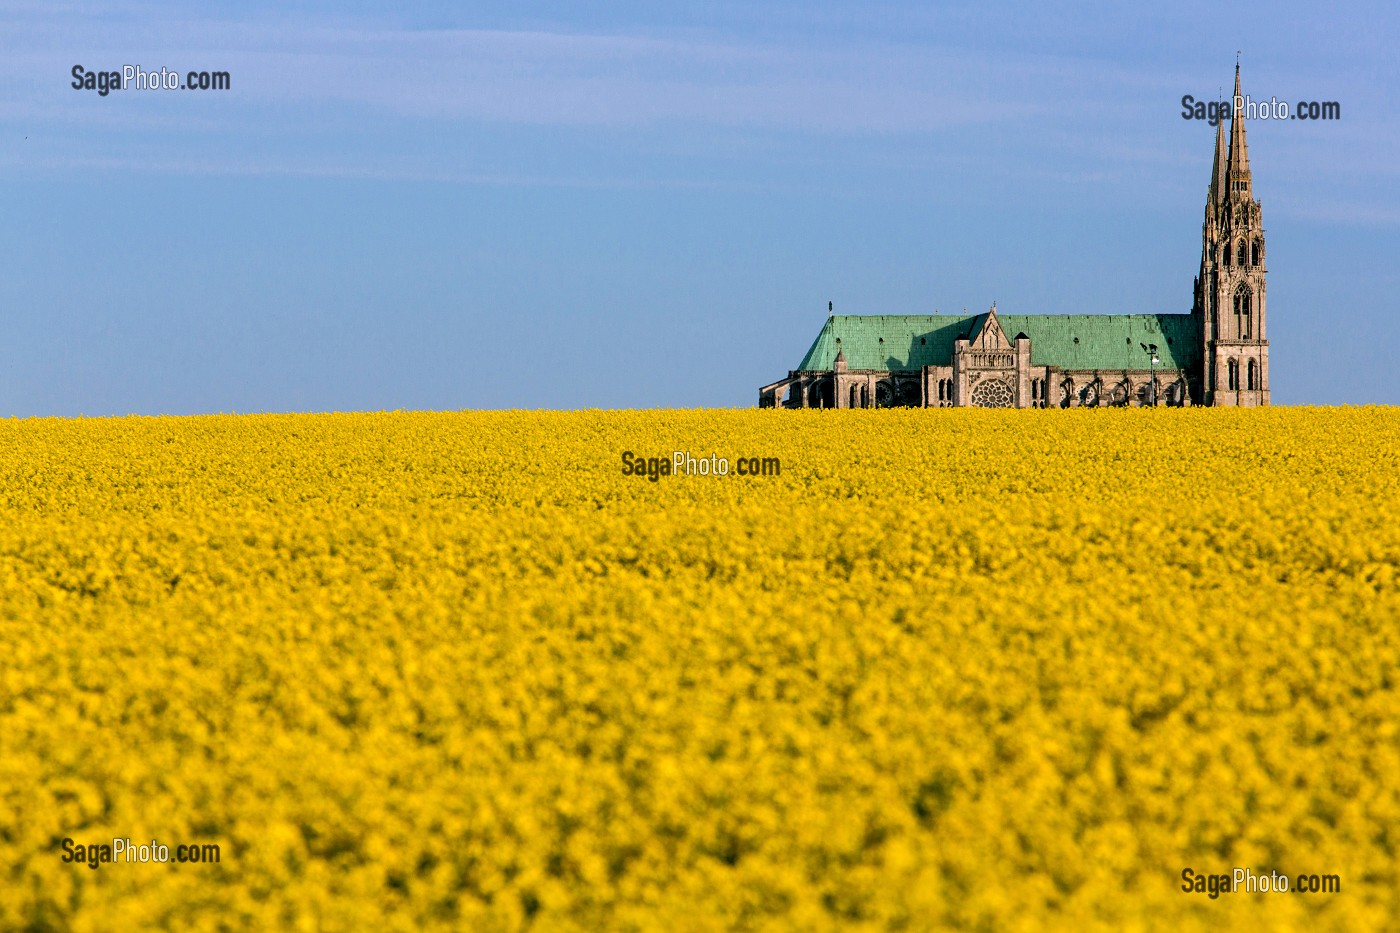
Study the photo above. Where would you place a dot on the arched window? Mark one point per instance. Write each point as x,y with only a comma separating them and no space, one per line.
1254,253
1234,373
1242,308
854,397
1227,254
1253,377
1240,252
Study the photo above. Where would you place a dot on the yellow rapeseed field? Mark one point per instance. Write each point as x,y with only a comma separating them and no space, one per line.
1006,670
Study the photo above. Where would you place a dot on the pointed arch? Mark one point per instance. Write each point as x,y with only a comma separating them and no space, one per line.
1244,299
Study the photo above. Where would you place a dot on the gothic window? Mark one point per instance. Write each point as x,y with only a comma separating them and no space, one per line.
884,394
1242,303
1227,254
1253,377
1234,371
854,398
1240,252
1254,253
992,393
865,396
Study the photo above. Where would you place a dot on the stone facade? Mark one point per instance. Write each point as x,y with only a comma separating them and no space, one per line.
1216,355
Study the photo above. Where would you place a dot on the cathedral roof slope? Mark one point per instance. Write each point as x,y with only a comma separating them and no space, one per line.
1109,341
1070,341
888,341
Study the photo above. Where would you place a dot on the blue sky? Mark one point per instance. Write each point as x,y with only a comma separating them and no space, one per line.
623,205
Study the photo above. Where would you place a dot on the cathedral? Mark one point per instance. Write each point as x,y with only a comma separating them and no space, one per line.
1216,355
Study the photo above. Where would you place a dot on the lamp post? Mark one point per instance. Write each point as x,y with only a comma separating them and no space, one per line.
1151,350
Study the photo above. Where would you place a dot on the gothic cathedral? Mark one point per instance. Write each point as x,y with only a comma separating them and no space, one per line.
1230,287
1216,355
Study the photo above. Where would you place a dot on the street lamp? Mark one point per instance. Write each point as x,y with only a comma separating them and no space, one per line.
1151,350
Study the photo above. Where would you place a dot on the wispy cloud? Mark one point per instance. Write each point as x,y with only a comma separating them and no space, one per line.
547,78
326,96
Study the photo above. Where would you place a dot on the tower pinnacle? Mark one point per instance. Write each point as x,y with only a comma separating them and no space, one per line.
1237,175
1218,169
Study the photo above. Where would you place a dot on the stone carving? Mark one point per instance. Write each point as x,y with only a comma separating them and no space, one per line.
993,393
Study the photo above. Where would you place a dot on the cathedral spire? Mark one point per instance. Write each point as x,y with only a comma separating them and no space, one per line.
1217,172
1237,176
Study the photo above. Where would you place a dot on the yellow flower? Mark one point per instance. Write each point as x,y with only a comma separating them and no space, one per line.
421,671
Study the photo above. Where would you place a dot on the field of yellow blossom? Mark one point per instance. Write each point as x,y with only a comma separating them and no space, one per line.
994,670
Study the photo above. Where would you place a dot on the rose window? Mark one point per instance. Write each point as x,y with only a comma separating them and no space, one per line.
992,393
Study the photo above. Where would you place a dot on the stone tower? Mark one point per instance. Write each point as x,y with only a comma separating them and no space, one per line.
1230,289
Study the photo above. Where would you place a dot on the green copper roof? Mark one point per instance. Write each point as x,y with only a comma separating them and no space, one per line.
1070,341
